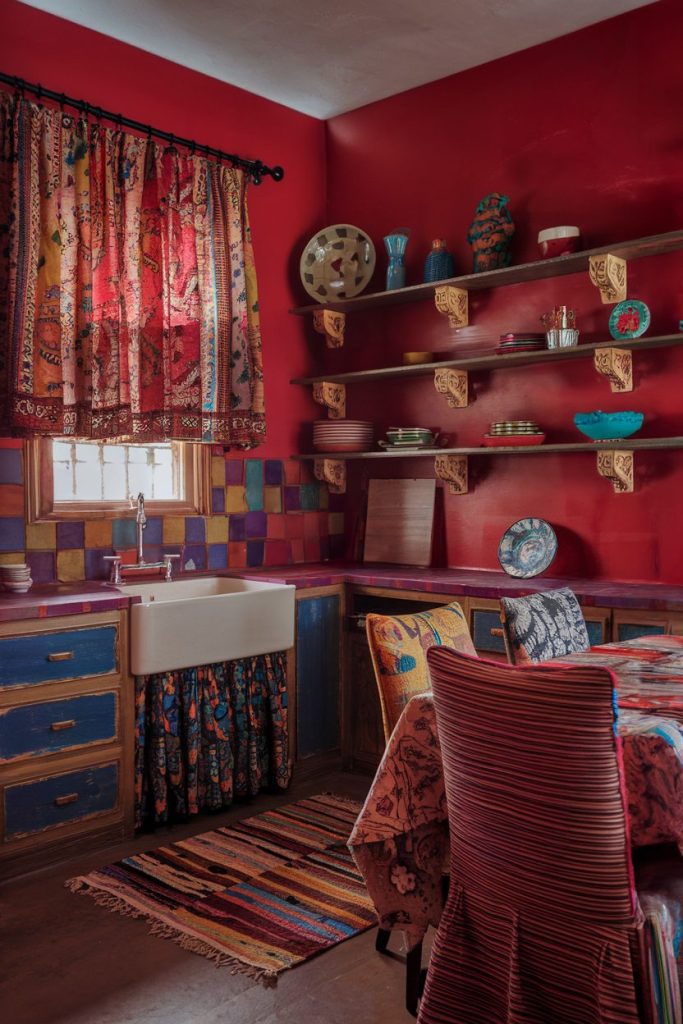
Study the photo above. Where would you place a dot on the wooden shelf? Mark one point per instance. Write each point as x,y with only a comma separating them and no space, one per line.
493,362
539,270
628,444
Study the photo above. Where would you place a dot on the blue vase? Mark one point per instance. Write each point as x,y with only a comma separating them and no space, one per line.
439,264
396,270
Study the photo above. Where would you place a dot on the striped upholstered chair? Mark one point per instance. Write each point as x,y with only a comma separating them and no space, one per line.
543,923
398,646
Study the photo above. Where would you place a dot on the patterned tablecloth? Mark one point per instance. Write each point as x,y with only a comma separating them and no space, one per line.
400,840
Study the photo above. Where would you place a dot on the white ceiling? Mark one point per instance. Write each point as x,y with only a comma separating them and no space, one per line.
324,58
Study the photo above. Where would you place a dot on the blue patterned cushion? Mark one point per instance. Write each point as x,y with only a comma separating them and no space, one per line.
543,626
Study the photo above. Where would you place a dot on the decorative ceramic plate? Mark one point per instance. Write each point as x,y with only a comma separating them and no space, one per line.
337,263
527,548
629,319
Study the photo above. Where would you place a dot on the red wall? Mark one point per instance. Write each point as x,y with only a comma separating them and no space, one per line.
86,65
583,130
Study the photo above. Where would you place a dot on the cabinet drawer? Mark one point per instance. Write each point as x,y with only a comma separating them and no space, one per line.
45,728
483,621
41,804
49,657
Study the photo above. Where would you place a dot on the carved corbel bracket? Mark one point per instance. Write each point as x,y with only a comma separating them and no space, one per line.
452,469
452,302
617,466
608,274
331,324
333,473
333,397
453,384
617,365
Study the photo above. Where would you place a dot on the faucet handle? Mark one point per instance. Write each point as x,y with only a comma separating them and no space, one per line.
169,559
115,573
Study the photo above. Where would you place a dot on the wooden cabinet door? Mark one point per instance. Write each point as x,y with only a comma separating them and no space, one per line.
628,624
318,656
364,734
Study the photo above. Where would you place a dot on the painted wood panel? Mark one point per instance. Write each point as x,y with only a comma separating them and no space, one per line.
32,807
632,630
317,673
483,621
49,657
51,726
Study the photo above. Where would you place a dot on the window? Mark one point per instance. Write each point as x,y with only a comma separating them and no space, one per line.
87,479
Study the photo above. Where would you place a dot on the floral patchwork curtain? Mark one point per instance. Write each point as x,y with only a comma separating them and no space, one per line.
128,300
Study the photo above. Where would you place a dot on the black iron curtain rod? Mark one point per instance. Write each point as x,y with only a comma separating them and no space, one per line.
254,168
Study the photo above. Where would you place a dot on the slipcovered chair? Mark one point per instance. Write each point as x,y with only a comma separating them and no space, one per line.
398,645
543,921
543,626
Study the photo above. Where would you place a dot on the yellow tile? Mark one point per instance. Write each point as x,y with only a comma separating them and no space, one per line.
335,522
323,497
235,499
41,536
98,533
70,565
217,530
272,499
217,472
174,530
12,557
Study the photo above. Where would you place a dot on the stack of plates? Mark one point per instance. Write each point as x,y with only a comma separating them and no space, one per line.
342,435
15,578
409,438
514,433
520,343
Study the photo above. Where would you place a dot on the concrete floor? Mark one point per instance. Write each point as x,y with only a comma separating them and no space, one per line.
64,960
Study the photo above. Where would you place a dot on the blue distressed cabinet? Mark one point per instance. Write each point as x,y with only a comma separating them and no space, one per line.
66,737
318,673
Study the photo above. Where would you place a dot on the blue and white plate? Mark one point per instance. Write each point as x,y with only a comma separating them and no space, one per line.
527,548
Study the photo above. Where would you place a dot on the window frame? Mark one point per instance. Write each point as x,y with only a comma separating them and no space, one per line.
42,508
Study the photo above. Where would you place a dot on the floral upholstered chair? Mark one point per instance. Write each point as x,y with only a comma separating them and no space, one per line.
398,645
543,626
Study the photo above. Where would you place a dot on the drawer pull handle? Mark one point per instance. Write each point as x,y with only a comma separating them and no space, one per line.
69,723
496,631
61,656
70,798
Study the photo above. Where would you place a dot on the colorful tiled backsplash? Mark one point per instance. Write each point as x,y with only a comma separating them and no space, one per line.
264,512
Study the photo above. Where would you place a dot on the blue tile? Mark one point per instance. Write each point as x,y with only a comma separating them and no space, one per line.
218,499
195,530
309,497
273,472
194,553
70,535
255,552
254,484
42,566
11,466
218,556
95,566
257,524
12,533
154,531
123,533
237,527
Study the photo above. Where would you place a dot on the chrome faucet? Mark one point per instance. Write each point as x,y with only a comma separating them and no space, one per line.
141,521
118,570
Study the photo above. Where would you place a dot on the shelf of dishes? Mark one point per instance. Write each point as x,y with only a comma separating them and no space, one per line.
558,266
490,360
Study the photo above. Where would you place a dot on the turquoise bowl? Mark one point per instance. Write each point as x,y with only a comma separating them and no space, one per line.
608,426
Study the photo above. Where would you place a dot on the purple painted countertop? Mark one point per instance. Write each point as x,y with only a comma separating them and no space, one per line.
76,599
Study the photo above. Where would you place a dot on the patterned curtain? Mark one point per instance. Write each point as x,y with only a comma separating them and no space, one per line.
128,300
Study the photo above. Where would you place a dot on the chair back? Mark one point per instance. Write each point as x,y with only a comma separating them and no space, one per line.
541,915
543,626
398,645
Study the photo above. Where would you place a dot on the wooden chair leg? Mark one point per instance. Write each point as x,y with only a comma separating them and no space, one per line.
382,940
414,980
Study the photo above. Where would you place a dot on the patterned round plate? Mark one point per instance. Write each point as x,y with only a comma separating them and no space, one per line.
337,263
629,319
527,548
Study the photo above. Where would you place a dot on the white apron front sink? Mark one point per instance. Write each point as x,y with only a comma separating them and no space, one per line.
183,623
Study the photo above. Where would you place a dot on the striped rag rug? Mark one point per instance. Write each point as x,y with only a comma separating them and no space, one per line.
259,896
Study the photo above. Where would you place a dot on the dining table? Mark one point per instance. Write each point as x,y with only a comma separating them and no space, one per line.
400,841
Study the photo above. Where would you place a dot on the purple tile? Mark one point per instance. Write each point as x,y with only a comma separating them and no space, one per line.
11,466
273,472
257,524
12,533
337,545
292,503
255,552
237,527
194,553
42,566
337,502
218,556
70,535
195,529
218,499
154,531
233,471
95,566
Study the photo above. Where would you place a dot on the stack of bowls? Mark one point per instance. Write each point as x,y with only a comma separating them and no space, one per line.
342,436
409,437
16,579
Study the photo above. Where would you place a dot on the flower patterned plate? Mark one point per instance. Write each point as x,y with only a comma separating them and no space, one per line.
337,263
527,548
629,319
